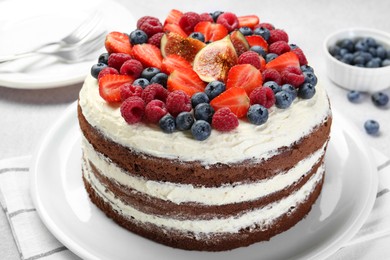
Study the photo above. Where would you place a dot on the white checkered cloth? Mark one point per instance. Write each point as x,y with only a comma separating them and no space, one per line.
34,241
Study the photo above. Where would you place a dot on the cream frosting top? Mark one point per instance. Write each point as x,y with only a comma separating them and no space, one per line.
247,141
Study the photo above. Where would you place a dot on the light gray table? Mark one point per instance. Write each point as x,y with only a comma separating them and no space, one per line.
27,114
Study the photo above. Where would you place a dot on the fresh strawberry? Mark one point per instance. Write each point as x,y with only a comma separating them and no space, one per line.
245,76
248,20
117,42
149,55
174,62
110,86
211,31
283,61
186,80
234,98
173,17
172,27
257,40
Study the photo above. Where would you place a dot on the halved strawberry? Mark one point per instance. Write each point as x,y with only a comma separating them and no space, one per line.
245,76
173,17
234,98
186,80
254,40
110,86
172,27
283,61
248,20
212,31
149,55
174,62
117,42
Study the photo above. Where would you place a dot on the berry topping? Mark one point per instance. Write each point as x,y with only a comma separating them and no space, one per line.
204,112
148,54
130,90
201,130
273,85
150,25
283,99
186,80
167,124
197,36
96,68
354,96
257,114
160,78
116,60
229,20
268,26
245,76
174,62
110,85
133,109
184,121
215,15
272,75
246,31
380,99
107,70
142,82
132,68
256,40
188,21
156,39
224,120
249,21
138,37
214,88
173,17
212,31
117,42
154,91
277,35
283,61
279,47
310,77
199,98
103,58
263,32
371,127
250,57
306,91
174,28
263,96
178,101
206,17
301,56
149,73
291,89
155,110
292,75
234,98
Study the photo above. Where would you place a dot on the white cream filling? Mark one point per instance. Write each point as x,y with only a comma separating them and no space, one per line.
283,128
179,193
262,217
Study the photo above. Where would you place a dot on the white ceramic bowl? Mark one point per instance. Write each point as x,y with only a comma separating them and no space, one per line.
357,78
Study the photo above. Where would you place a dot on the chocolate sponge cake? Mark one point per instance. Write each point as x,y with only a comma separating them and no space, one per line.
245,167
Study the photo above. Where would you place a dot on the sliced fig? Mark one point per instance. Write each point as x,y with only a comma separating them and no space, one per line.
214,61
186,47
239,42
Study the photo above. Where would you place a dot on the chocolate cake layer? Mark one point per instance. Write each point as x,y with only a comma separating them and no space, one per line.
161,169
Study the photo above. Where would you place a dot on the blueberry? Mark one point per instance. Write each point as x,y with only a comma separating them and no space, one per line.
361,46
359,60
167,124
293,46
381,52
273,85
260,50
263,32
246,31
103,58
215,15
198,36
353,96
138,37
385,63
374,63
149,73
346,44
201,130
283,99
270,56
257,114
306,91
371,42
204,111
160,78
371,127
334,50
214,88
184,121
310,77
307,68
141,82
343,51
291,89
96,68
199,98
347,58
380,99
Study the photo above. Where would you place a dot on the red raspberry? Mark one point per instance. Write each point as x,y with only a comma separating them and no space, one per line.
132,68
150,25
229,20
178,101
188,21
129,90
154,91
224,120
116,60
250,57
107,70
272,75
277,35
263,96
155,110
301,56
156,39
268,26
279,47
206,17
133,109
292,75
